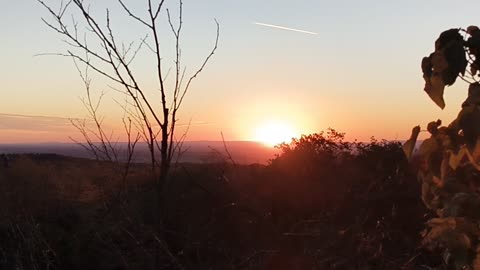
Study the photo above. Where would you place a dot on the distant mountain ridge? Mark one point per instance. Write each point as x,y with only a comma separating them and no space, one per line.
242,152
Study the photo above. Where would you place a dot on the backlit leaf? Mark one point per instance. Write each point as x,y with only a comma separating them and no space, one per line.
427,147
433,126
409,145
457,159
435,88
476,261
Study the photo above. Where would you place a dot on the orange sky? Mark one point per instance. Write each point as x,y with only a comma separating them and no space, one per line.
358,73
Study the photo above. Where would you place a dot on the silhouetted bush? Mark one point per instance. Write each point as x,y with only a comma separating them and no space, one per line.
365,192
322,203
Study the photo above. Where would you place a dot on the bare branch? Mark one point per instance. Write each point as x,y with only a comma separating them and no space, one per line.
112,59
133,15
227,151
159,7
203,65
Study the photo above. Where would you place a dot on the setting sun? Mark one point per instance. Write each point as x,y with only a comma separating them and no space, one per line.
274,133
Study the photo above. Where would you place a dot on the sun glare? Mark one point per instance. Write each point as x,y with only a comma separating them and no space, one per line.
274,133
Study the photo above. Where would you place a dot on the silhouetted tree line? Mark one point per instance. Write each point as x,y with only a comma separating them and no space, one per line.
322,203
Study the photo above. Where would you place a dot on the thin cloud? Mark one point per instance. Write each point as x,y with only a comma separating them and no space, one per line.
33,122
196,124
285,28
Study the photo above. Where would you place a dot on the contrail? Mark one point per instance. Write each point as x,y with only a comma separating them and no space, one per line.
285,28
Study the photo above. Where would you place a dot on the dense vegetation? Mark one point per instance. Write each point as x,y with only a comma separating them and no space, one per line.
322,203
449,158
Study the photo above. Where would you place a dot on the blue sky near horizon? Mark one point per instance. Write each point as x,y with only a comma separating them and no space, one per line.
360,74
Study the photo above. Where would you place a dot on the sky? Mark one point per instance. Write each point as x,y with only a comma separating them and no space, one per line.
354,66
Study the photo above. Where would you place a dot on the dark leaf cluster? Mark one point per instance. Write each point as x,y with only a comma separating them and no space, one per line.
449,160
449,60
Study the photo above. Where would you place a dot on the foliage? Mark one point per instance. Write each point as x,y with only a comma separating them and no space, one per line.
359,198
357,208
453,52
449,169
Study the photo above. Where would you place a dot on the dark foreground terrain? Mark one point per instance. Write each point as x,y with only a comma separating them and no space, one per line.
321,204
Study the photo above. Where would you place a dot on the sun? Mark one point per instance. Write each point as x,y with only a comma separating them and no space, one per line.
274,133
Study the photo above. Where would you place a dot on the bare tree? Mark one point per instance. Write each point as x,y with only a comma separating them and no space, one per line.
113,61
154,119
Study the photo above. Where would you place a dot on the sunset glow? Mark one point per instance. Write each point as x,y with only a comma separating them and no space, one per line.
274,133
272,64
